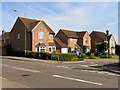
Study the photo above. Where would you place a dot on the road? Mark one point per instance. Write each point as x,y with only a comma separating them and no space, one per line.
23,74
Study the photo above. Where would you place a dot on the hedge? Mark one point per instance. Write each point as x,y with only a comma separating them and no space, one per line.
105,56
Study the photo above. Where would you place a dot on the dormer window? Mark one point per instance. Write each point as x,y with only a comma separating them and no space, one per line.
40,28
40,35
18,35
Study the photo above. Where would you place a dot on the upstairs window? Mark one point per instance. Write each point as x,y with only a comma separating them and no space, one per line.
71,40
18,36
50,37
40,35
86,40
95,41
112,42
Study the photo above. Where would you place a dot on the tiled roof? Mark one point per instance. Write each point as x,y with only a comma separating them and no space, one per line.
40,44
101,34
77,46
73,34
60,43
31,23
52,44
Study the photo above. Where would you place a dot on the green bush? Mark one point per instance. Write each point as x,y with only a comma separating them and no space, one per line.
45,55
77,59
105,56
92,56
84,55
9,50
54,52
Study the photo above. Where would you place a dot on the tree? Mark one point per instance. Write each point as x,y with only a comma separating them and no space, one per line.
101,47
84,49
92,49
9,50
69,49
117,49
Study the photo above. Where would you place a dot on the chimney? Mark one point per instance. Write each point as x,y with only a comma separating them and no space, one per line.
3,31
107,32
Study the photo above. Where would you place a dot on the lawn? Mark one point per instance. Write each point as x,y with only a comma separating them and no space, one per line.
6,57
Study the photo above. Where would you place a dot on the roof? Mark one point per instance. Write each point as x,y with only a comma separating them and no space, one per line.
77,45
52,44
5,35
73,34
60,43
101,34
40,44
31,23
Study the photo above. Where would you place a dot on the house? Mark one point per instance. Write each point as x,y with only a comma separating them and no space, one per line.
74,39
4,41
39,36
101,37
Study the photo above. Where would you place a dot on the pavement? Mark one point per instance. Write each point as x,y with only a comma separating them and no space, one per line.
40,74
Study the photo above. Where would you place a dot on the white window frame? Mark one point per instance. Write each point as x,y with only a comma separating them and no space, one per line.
41,47
50,37
40,35
52,48
18,35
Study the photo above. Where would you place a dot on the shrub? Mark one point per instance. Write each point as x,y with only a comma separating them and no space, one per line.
54,52
92,56
69,50
88,53
84,55
84,49
44,55
65,57
9,50
77,59
104,56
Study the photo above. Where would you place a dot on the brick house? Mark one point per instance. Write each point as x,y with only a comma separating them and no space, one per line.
101,37
39,36
75,40
4,41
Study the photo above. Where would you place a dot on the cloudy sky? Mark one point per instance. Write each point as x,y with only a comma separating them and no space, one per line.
77,16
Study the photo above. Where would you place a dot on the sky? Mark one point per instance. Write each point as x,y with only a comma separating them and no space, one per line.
77,16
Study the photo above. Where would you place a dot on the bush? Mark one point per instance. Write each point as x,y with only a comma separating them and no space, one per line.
65,57
84,55
54,52
77,59
45,55
88,53
9,50
92,56
104,56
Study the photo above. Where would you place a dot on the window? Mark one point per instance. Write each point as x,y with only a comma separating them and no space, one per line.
86,40
18,36
4,40
50,37
112,42
38,49
40,28
95,41
52,48
18,49
42,49
71,40
40,35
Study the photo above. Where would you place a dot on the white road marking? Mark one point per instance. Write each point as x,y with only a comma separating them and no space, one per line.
85,65
23,69
79,80
63,67
3,78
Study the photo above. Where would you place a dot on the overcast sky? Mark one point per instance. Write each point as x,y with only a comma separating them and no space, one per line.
77,16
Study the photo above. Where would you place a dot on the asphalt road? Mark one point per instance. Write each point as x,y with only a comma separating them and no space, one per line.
23,74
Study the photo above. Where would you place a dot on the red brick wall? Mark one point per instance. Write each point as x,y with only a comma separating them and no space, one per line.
95,37
19,27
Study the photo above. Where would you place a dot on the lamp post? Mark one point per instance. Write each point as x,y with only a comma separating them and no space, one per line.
25,28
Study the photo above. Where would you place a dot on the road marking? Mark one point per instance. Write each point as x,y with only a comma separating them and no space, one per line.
79,80
63,67
23,69
3,78
85,65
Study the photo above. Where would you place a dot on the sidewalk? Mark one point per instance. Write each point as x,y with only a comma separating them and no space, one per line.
39,60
